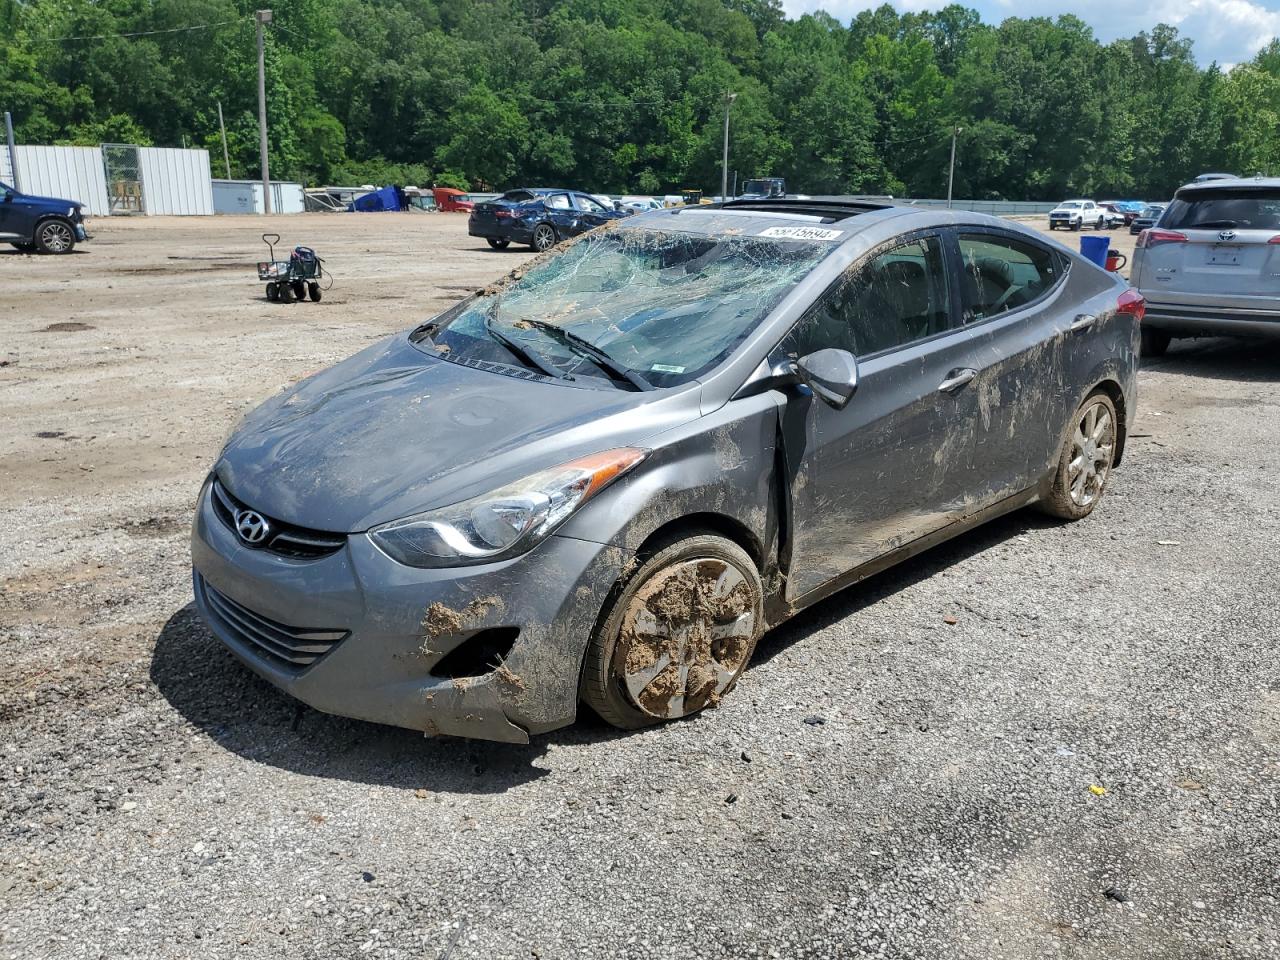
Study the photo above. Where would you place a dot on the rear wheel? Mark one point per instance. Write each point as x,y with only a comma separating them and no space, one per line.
1088,452
299,290
544,237
273,292
313,290
285,291
1100,224
677,635
55,236
498,244
1154,342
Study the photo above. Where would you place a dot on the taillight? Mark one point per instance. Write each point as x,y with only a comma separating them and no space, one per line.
1132,303
1153,238
1275,239
502,214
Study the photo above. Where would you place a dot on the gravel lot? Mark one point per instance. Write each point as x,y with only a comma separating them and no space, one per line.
156,800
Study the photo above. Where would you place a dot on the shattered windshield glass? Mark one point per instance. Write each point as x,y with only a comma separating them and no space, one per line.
635,306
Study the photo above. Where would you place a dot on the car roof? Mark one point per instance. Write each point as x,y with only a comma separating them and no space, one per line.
1233,184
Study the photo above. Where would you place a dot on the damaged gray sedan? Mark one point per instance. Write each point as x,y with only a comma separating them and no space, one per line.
603,478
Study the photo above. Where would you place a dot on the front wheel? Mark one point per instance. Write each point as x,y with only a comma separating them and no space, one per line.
273,292
677,635
1084,466
1075,225
498,244
1154,342
1099,225
55,236
544,237
313,290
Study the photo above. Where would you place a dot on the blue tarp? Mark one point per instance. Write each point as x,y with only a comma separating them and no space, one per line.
387,198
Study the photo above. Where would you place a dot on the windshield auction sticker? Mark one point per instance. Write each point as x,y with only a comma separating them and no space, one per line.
801,233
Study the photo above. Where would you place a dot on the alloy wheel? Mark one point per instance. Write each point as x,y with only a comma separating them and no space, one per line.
544,238
56,237
1093,447
688,632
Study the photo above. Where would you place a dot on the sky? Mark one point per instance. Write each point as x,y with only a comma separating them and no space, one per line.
1228,31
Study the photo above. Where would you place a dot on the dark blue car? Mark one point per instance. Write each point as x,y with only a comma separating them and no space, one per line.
538,216
43,224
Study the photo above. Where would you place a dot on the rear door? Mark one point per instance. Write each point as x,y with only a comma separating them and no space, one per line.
562,213
1216,248
1020,325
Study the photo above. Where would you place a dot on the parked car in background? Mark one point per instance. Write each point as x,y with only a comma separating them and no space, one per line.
540,217
1113,215
1212,264
1150,214
602,479
641,204
40,224
1074,214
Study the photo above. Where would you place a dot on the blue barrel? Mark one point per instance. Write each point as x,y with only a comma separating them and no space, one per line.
1095,249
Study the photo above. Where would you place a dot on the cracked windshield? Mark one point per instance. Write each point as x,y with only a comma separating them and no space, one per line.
641,307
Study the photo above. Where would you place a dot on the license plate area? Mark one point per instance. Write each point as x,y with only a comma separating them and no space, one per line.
1224,253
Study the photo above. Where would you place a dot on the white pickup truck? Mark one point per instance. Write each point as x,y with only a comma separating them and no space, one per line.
1074,214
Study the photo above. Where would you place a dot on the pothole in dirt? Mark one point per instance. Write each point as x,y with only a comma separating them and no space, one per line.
154,526
55,435
67,326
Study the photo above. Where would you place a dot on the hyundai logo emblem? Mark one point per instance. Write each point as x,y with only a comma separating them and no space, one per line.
251,527
1227,235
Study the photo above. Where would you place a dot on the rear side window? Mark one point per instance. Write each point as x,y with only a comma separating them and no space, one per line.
517,196
896,298
558,202
1224,210
1003,274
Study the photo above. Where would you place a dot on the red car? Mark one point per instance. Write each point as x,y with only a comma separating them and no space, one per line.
452,201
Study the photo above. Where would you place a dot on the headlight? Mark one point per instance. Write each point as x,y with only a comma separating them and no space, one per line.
507,521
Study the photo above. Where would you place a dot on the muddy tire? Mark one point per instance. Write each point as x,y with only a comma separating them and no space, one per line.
676,635
1088,453
1154,342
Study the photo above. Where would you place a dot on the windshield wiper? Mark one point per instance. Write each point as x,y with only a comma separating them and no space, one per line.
589,349
530,358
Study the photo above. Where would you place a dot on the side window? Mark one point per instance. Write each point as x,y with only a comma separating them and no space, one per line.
1003,274
558,201
897,297
586,204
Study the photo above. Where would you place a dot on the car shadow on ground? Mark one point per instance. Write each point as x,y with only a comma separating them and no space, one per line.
1221,358
249,717
906,574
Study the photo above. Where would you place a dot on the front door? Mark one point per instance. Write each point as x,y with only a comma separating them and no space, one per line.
590,213
10,215
895,463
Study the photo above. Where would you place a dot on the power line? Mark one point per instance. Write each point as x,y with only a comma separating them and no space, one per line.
145,33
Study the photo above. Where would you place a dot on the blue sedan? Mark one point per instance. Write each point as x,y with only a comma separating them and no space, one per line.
538,216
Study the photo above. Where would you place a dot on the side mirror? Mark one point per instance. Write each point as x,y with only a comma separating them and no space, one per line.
831,374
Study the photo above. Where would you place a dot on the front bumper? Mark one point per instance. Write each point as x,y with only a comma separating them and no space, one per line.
1182,320
381,671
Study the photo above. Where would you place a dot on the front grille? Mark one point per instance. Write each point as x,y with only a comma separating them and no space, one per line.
283,538
292,647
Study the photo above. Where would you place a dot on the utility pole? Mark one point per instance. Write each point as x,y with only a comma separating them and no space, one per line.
263,17
226,157
13,150
724,162
951,175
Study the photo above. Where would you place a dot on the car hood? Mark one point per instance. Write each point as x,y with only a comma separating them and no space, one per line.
393,431
51,201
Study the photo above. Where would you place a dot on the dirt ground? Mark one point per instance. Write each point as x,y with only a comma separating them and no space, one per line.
906,771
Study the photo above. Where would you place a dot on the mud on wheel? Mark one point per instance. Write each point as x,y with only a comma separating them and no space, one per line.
677,636
1084,466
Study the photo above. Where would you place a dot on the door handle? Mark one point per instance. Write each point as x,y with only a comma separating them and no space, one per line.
1083,321
957,379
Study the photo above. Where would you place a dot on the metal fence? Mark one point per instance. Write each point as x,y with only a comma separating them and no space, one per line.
997,208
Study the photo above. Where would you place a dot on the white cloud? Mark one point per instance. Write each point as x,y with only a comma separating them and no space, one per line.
1229,31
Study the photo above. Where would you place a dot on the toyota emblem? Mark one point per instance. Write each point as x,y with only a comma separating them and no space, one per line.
251,527
1227,235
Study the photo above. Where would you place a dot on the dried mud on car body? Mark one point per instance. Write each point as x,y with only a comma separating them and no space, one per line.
156,799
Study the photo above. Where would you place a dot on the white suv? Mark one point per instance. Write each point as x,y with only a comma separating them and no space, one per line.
1211,264
1074,214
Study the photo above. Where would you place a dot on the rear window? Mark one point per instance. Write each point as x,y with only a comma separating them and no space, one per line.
1224,210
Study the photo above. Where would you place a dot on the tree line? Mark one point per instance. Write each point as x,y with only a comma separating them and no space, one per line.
628,95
